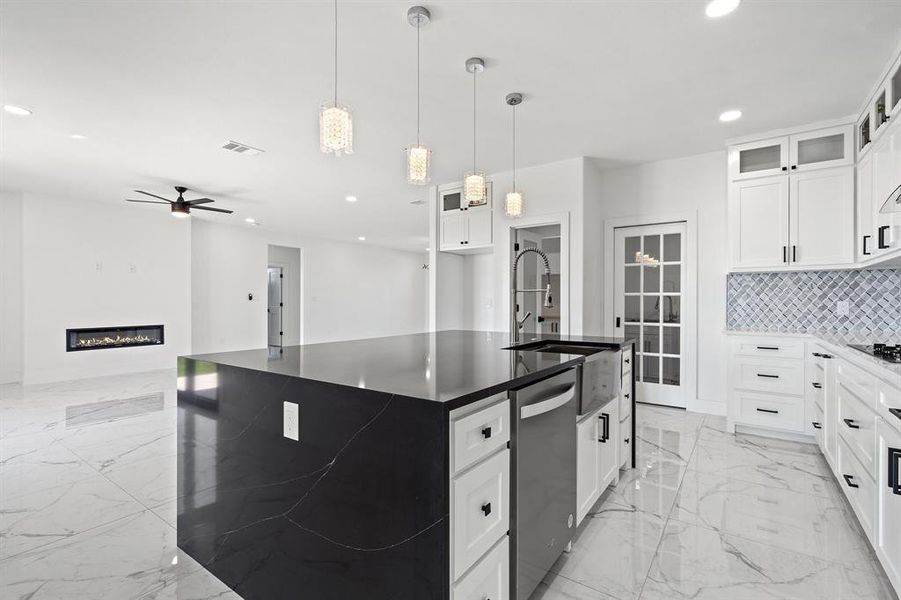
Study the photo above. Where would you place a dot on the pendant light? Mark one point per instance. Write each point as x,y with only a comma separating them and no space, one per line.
474,189
419,157
335,121
513,199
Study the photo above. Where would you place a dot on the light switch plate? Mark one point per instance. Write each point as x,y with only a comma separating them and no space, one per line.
291,421
843,308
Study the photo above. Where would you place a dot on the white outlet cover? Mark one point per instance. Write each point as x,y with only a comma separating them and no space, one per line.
291,421
843,308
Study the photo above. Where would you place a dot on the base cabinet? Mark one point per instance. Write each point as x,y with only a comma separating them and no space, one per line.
490,578
597,456
888,509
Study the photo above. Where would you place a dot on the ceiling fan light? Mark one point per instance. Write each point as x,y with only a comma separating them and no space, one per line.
335,129
180,212
419,163
513,205
474,189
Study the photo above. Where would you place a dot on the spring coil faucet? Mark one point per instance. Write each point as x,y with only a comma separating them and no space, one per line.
515,325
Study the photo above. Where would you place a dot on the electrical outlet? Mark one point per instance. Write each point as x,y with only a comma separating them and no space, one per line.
291,421
843,308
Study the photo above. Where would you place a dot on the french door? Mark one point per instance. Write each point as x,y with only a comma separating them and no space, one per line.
651,300
274,306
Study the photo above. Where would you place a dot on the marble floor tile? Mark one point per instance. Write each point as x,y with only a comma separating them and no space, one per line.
33,520
613,552
652,492
813,525
702,564
152,481
38,469
714,430
557,587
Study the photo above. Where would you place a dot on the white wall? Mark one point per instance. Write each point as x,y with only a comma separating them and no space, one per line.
10,287
689,184
289,260
87,265
348,291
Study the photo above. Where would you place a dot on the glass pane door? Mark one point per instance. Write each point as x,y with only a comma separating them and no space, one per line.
649,303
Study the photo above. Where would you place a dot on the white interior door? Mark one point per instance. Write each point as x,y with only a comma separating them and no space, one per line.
274,306
651,302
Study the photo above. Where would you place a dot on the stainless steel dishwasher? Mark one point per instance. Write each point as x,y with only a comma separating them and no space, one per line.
543,502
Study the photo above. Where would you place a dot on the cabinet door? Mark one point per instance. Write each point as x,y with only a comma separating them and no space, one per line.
478,228
450,201
609,443
453,231
866,239
886,155
823,148
587,469
758,159
758,222
822,217
888,514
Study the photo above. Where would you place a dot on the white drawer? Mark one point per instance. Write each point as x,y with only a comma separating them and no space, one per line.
818,422
858,381
627,361
854,479
480,510
490,578
779,377
857,425
888,400
626,441
770,411
479,434
768,347
625,398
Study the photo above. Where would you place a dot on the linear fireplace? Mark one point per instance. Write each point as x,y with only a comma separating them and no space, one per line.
96,338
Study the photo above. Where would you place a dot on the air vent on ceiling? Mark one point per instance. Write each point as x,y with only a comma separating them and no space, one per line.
240,148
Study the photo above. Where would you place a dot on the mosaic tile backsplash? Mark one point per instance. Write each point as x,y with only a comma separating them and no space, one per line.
806,302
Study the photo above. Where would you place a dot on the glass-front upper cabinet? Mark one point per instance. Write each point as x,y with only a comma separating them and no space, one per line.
830,147
451,200
759,158
894,88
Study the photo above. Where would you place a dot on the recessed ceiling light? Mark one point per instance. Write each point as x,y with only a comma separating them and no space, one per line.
350,198
16,110
78,136
250,220
362,238
427,249
730,115
720,8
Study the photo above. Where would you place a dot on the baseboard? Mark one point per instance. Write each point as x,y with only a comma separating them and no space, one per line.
775,433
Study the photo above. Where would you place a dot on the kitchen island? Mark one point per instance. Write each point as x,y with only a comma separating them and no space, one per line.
359,505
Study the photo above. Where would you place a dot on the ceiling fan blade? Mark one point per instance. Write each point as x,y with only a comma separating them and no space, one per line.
147,201
222,210
199,201
154,196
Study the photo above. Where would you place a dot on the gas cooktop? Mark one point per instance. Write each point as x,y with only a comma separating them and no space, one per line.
887,352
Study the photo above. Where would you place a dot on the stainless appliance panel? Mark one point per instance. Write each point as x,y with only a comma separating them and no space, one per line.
600,379
543,504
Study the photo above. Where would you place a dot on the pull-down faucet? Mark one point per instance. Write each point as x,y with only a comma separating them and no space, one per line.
515,324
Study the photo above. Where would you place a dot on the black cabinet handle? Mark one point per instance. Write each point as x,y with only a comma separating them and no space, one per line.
816,425
817,354
486,509
767,347
785,254
865,238
896,412
626,440
848,479
486,432
881,233
817,385
785,168
626,395
768,410
605,431
826,356
617,322
794,167
851,424
794,253
894,470
627,361
768,376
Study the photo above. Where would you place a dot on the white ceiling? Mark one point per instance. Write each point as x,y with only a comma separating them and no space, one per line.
158,87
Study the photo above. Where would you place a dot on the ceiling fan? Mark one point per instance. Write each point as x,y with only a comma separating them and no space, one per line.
181,208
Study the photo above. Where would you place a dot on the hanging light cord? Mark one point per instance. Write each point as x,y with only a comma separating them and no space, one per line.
336,52
514,147
418,20
473,120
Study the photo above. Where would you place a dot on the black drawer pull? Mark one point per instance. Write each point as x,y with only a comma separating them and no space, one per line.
486,433
627,361
768,376
827,356
894,470
816,425
881,235
848,479
626,395
768,410
626,440
817,354
486,509
767,347
851,424
605,430
896,412
816,385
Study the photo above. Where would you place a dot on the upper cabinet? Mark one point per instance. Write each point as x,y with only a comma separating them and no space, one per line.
464,228
818,149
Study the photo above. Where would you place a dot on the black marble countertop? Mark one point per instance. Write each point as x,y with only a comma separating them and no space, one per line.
449,367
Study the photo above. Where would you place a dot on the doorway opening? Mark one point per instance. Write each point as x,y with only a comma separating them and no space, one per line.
532,316
283,303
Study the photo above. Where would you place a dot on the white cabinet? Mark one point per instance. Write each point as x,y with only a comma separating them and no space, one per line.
803,151
490,578
759,158
886,168
758,222
588,471
821,217
608,444
866,211
860,489
462,228
888,511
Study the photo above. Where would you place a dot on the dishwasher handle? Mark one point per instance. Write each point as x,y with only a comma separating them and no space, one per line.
539,408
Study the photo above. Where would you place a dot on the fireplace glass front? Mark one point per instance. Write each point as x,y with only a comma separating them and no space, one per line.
95,338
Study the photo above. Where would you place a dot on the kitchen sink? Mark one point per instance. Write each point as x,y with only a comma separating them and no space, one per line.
557,347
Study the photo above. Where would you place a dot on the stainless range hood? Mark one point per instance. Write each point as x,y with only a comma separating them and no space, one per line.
893,202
